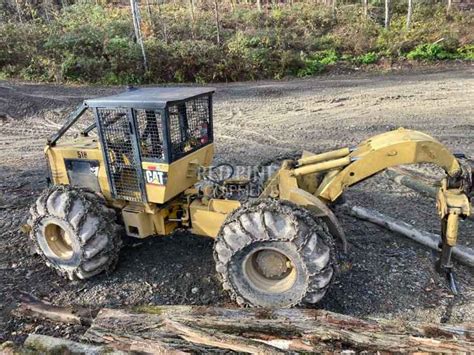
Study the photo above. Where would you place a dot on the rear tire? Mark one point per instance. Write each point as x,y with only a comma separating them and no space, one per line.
273,253
75,232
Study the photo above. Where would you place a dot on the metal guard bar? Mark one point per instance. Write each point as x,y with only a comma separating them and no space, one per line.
72,118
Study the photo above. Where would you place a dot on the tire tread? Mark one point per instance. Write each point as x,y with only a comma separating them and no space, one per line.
93,222
260,220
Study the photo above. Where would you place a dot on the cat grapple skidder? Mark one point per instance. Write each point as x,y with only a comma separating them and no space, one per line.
143,173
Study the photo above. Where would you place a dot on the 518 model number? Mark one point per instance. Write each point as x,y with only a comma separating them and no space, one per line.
81,154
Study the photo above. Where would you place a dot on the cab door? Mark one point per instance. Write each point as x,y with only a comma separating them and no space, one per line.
120,144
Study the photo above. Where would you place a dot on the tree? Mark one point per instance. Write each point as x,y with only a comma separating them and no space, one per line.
216,13
18,10
387,14
409,13
150,16
191,10
366,8
138,31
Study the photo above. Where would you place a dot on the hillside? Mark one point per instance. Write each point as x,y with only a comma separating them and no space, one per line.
222,41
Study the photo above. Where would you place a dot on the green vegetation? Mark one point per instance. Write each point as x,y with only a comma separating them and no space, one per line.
93,43
317,62
367,58
430,52
466,52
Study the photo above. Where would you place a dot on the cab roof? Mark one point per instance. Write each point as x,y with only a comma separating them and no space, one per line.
150,97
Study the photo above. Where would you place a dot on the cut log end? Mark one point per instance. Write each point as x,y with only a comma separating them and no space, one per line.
31,306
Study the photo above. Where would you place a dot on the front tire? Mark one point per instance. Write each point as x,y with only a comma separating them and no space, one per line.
274,254
75,232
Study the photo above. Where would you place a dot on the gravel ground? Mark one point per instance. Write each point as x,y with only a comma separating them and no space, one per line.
389,276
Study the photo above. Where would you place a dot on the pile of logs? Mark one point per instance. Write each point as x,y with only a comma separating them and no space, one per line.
194,329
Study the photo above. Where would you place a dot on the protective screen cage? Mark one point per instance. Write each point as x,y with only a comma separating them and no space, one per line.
116,129
131,136
189,126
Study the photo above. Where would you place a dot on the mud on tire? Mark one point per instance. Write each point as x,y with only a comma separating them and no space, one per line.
74,232
273,253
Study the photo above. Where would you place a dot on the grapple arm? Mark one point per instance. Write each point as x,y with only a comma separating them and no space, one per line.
336,170
342,168
389,149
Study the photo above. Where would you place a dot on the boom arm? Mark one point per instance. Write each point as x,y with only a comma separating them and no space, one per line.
324,177
389,149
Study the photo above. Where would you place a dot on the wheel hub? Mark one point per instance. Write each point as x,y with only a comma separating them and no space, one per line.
270,270
58,241
272,264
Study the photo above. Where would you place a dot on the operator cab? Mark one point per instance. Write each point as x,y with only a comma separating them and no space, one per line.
147,137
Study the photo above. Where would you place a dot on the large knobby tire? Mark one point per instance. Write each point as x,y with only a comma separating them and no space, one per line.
75,232
273,253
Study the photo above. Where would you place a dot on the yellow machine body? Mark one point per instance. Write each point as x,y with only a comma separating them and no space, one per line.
311,182
84,148
207,218
141,219
181,174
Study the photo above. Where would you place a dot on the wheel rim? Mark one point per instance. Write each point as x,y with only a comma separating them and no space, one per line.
270,270
59,241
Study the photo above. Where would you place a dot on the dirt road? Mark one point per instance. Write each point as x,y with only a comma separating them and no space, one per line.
390,276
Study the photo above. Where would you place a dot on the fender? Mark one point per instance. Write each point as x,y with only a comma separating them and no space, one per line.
320,209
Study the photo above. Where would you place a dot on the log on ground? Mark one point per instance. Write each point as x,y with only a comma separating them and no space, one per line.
44,344
463,254
416,183
31,306
198,328
413,183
